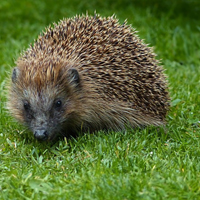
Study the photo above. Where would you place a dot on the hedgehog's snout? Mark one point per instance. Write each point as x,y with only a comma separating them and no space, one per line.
41,134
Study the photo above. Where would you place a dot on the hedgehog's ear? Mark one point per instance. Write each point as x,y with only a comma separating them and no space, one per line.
15,74
73,76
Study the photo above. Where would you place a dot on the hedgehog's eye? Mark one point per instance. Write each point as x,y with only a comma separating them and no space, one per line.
26,105
58,104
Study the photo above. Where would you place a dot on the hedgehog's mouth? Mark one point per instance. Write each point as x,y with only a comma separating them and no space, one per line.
45,132
52,133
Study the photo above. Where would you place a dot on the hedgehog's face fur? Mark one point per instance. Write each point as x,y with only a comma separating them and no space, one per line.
43,99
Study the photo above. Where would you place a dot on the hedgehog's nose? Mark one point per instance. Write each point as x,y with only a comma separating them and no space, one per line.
41,134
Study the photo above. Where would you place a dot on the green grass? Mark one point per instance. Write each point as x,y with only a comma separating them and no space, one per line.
139,164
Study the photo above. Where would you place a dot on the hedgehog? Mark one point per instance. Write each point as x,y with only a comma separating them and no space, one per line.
85,74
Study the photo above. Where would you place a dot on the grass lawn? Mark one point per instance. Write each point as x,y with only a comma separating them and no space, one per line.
139,164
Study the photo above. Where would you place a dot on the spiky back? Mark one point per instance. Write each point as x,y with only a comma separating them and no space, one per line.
110,58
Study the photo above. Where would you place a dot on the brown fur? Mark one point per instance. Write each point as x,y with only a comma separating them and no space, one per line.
121,82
